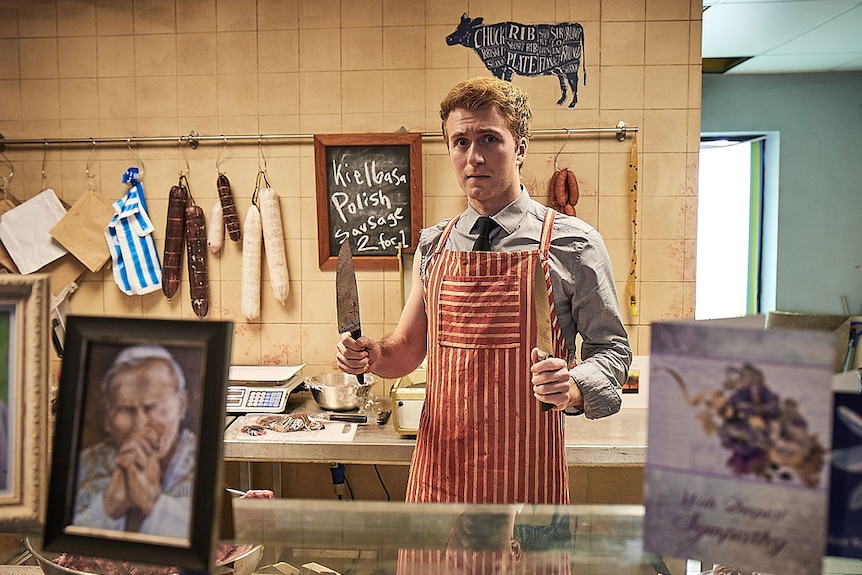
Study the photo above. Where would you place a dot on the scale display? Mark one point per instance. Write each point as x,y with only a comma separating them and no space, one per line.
243,398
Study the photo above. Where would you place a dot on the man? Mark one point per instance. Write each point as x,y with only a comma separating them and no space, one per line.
140,478
483,437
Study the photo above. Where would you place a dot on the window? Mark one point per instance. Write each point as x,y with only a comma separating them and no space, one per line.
736,239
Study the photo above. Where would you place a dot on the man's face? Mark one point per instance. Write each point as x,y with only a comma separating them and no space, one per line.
486,157
144,404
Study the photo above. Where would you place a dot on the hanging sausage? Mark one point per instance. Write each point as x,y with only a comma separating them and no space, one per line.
215,234
251,258
231,219
173,255
563,191
196,239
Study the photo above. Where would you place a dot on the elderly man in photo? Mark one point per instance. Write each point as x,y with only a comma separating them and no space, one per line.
140,478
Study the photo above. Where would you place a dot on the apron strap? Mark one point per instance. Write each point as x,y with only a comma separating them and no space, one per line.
547,228
445,235
440,243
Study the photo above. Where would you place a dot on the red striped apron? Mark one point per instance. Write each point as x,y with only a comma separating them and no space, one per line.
455,562
483,437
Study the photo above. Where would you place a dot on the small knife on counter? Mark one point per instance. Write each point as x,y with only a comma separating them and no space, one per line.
347,296
542,312
346,417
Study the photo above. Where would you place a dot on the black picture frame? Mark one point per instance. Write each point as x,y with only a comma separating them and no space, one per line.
202,350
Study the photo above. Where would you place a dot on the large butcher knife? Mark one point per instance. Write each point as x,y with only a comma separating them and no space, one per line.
544,336
347,296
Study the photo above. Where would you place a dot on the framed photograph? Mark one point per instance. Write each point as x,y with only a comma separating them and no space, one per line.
24,429
136,468
369,189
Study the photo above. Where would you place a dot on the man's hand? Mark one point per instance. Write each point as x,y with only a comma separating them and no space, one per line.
139,459
355,356
552,383
116,495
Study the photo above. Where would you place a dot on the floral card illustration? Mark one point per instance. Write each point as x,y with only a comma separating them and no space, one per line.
845,500
739,430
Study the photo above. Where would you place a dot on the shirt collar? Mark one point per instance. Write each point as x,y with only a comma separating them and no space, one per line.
509,218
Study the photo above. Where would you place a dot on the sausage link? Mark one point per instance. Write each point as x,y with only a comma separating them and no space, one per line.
251,254
560,194
215,233
552,186
231,219
196,239
173,255
273,243
572,187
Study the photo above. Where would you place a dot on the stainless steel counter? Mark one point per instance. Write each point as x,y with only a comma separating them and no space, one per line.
618,440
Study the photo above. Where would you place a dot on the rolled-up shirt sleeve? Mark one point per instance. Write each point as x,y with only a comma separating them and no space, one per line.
588,307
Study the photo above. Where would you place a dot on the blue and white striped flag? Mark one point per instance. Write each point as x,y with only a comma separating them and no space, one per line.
136,265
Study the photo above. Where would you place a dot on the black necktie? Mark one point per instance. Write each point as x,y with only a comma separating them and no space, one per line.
483,242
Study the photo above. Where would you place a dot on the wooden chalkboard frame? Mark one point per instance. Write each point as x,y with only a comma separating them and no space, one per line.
327,248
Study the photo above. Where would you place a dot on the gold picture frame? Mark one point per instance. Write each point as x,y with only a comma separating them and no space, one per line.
24,306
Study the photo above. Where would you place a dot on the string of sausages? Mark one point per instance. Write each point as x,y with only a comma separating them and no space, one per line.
185,223
263,233
563,192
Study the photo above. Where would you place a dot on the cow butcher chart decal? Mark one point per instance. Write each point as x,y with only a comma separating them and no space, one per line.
509,48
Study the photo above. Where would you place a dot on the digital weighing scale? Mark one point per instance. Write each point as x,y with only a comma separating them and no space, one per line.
261,388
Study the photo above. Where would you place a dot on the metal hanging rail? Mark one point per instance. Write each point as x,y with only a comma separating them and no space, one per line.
193,139
620,130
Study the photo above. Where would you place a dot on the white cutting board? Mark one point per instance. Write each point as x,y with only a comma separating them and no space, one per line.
332,432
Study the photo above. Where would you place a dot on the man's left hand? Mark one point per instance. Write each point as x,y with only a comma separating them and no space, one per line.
552,383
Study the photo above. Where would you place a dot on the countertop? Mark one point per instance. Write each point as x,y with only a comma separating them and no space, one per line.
618,440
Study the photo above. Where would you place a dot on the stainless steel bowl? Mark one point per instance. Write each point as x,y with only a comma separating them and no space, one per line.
243,560
339,391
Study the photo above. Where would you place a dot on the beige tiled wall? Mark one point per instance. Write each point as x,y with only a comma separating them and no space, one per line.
132,68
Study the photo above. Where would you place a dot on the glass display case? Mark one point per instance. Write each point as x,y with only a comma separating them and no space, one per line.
379,538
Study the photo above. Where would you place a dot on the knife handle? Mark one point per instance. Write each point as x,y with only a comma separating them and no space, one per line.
350,418
543,355
356,334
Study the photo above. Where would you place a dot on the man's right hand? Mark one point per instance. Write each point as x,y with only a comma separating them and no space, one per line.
356,356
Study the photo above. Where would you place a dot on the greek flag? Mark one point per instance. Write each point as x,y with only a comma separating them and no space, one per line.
137,269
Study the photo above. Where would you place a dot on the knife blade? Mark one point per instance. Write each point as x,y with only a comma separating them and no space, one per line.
347,296
542,313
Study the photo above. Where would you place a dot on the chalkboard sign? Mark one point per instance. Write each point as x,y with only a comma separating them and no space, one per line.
369,189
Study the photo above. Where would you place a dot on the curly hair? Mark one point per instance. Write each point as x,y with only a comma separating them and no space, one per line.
482,92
